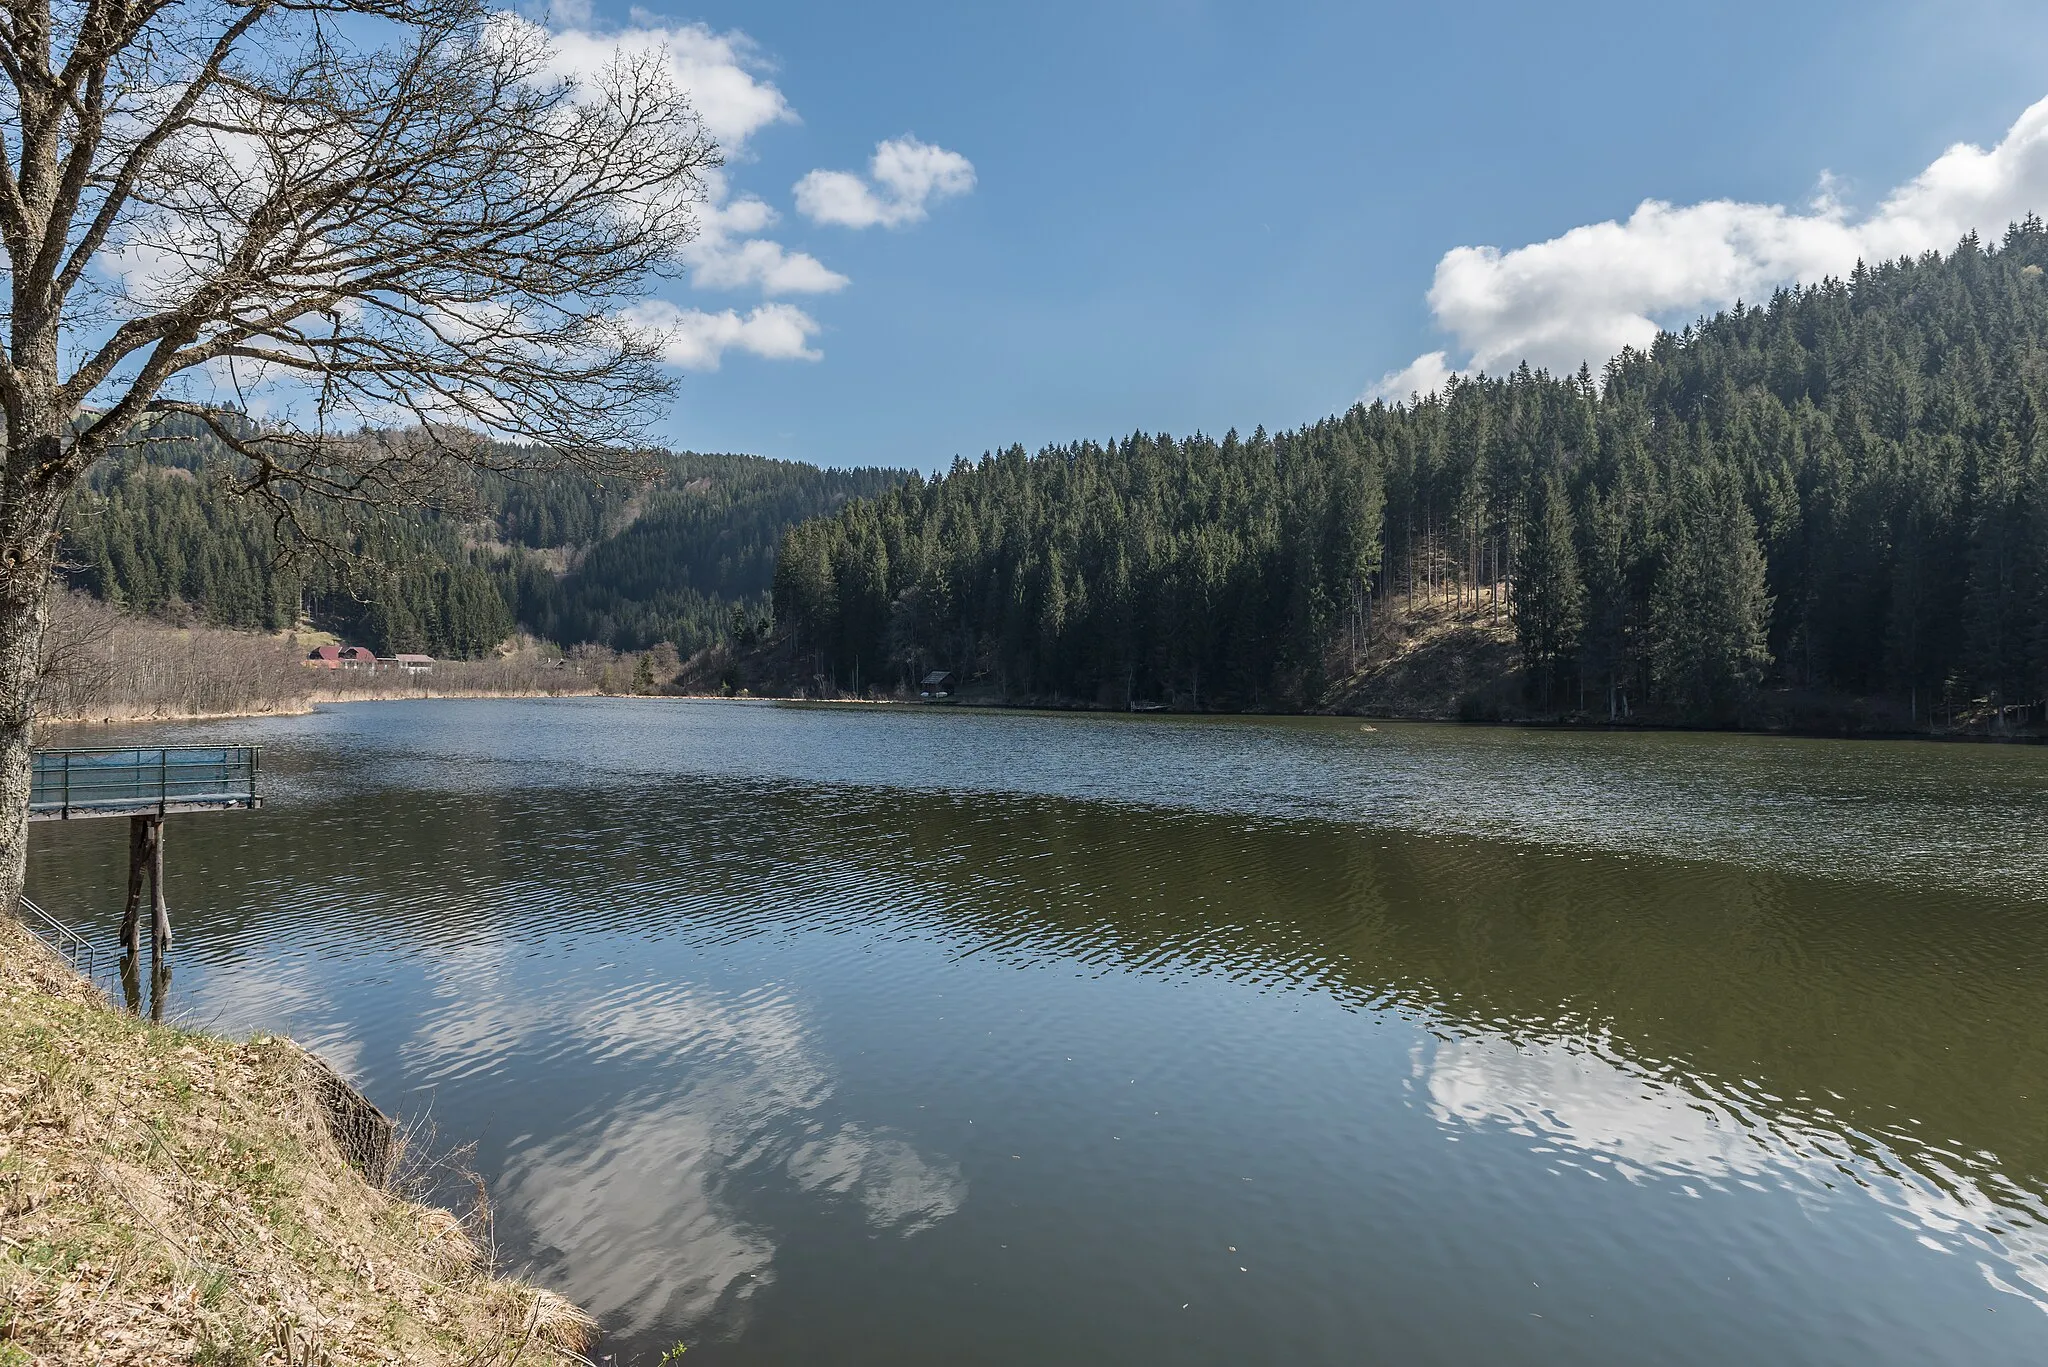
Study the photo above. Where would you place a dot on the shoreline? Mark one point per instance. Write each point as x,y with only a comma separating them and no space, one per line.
306,705
1056,706
301,706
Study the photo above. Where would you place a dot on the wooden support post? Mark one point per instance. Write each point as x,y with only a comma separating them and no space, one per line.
131,983
160,911
146,860
138,866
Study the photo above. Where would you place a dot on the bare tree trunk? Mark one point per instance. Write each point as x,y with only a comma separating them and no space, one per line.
21,640
27,535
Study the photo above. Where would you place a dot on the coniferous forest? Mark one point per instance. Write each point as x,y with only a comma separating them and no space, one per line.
688,560
1844,489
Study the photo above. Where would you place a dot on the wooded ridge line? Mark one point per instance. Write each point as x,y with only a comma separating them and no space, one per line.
158,529
1840,494
1838,498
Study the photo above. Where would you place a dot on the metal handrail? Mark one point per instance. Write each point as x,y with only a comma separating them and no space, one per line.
161,779
151,750
67,943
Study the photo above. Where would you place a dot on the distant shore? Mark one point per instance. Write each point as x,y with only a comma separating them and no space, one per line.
1978,731
106,668
1430,663
138,714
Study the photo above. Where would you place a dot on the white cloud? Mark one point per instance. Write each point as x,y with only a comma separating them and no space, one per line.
726,82
907,176
697,340
1586,294
720,71
725,256
1424,375
723,76
771,266
728,217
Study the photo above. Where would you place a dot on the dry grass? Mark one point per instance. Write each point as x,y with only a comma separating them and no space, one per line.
101,665
174,1197
1430,660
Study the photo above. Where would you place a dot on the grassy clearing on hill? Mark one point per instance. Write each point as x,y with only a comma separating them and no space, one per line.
168,1196
1434,660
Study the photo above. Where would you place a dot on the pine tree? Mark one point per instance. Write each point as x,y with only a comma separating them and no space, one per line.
1605,643
1997,632
1549,601
1710,608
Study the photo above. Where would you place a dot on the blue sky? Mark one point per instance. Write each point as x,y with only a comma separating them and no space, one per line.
1190,215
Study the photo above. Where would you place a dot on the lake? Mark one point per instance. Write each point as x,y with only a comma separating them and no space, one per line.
897,1035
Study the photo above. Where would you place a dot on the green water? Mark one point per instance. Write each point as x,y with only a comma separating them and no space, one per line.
902,1035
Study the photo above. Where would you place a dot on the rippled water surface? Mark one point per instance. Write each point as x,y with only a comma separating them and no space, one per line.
808,1035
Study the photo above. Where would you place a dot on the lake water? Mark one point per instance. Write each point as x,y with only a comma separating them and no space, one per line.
812,1034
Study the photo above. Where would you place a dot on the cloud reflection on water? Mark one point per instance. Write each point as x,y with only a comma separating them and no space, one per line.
1582,1100
640,1209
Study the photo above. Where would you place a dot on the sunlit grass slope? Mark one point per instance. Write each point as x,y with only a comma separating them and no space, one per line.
168,1196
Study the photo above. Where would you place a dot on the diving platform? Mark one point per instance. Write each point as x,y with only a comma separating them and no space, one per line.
151,781
144,784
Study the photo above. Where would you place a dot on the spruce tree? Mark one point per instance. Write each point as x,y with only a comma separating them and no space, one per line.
1549,602
1710,608
1604,647
1997,630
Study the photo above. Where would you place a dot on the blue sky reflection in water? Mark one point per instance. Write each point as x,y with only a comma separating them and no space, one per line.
886,1035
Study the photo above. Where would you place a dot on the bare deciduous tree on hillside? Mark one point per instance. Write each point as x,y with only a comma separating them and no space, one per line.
359,212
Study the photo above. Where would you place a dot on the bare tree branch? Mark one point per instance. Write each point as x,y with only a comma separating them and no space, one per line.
385,217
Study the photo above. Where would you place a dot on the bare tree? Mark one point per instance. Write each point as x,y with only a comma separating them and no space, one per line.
371,214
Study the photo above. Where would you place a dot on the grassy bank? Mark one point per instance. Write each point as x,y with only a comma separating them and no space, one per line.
168,1196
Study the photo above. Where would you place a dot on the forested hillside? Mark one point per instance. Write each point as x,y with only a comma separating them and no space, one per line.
1845,489
681,561
156,531
687,559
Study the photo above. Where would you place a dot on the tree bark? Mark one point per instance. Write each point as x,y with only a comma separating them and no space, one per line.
27,547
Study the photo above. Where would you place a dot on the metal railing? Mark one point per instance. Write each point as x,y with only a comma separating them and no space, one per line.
65,942
139,782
